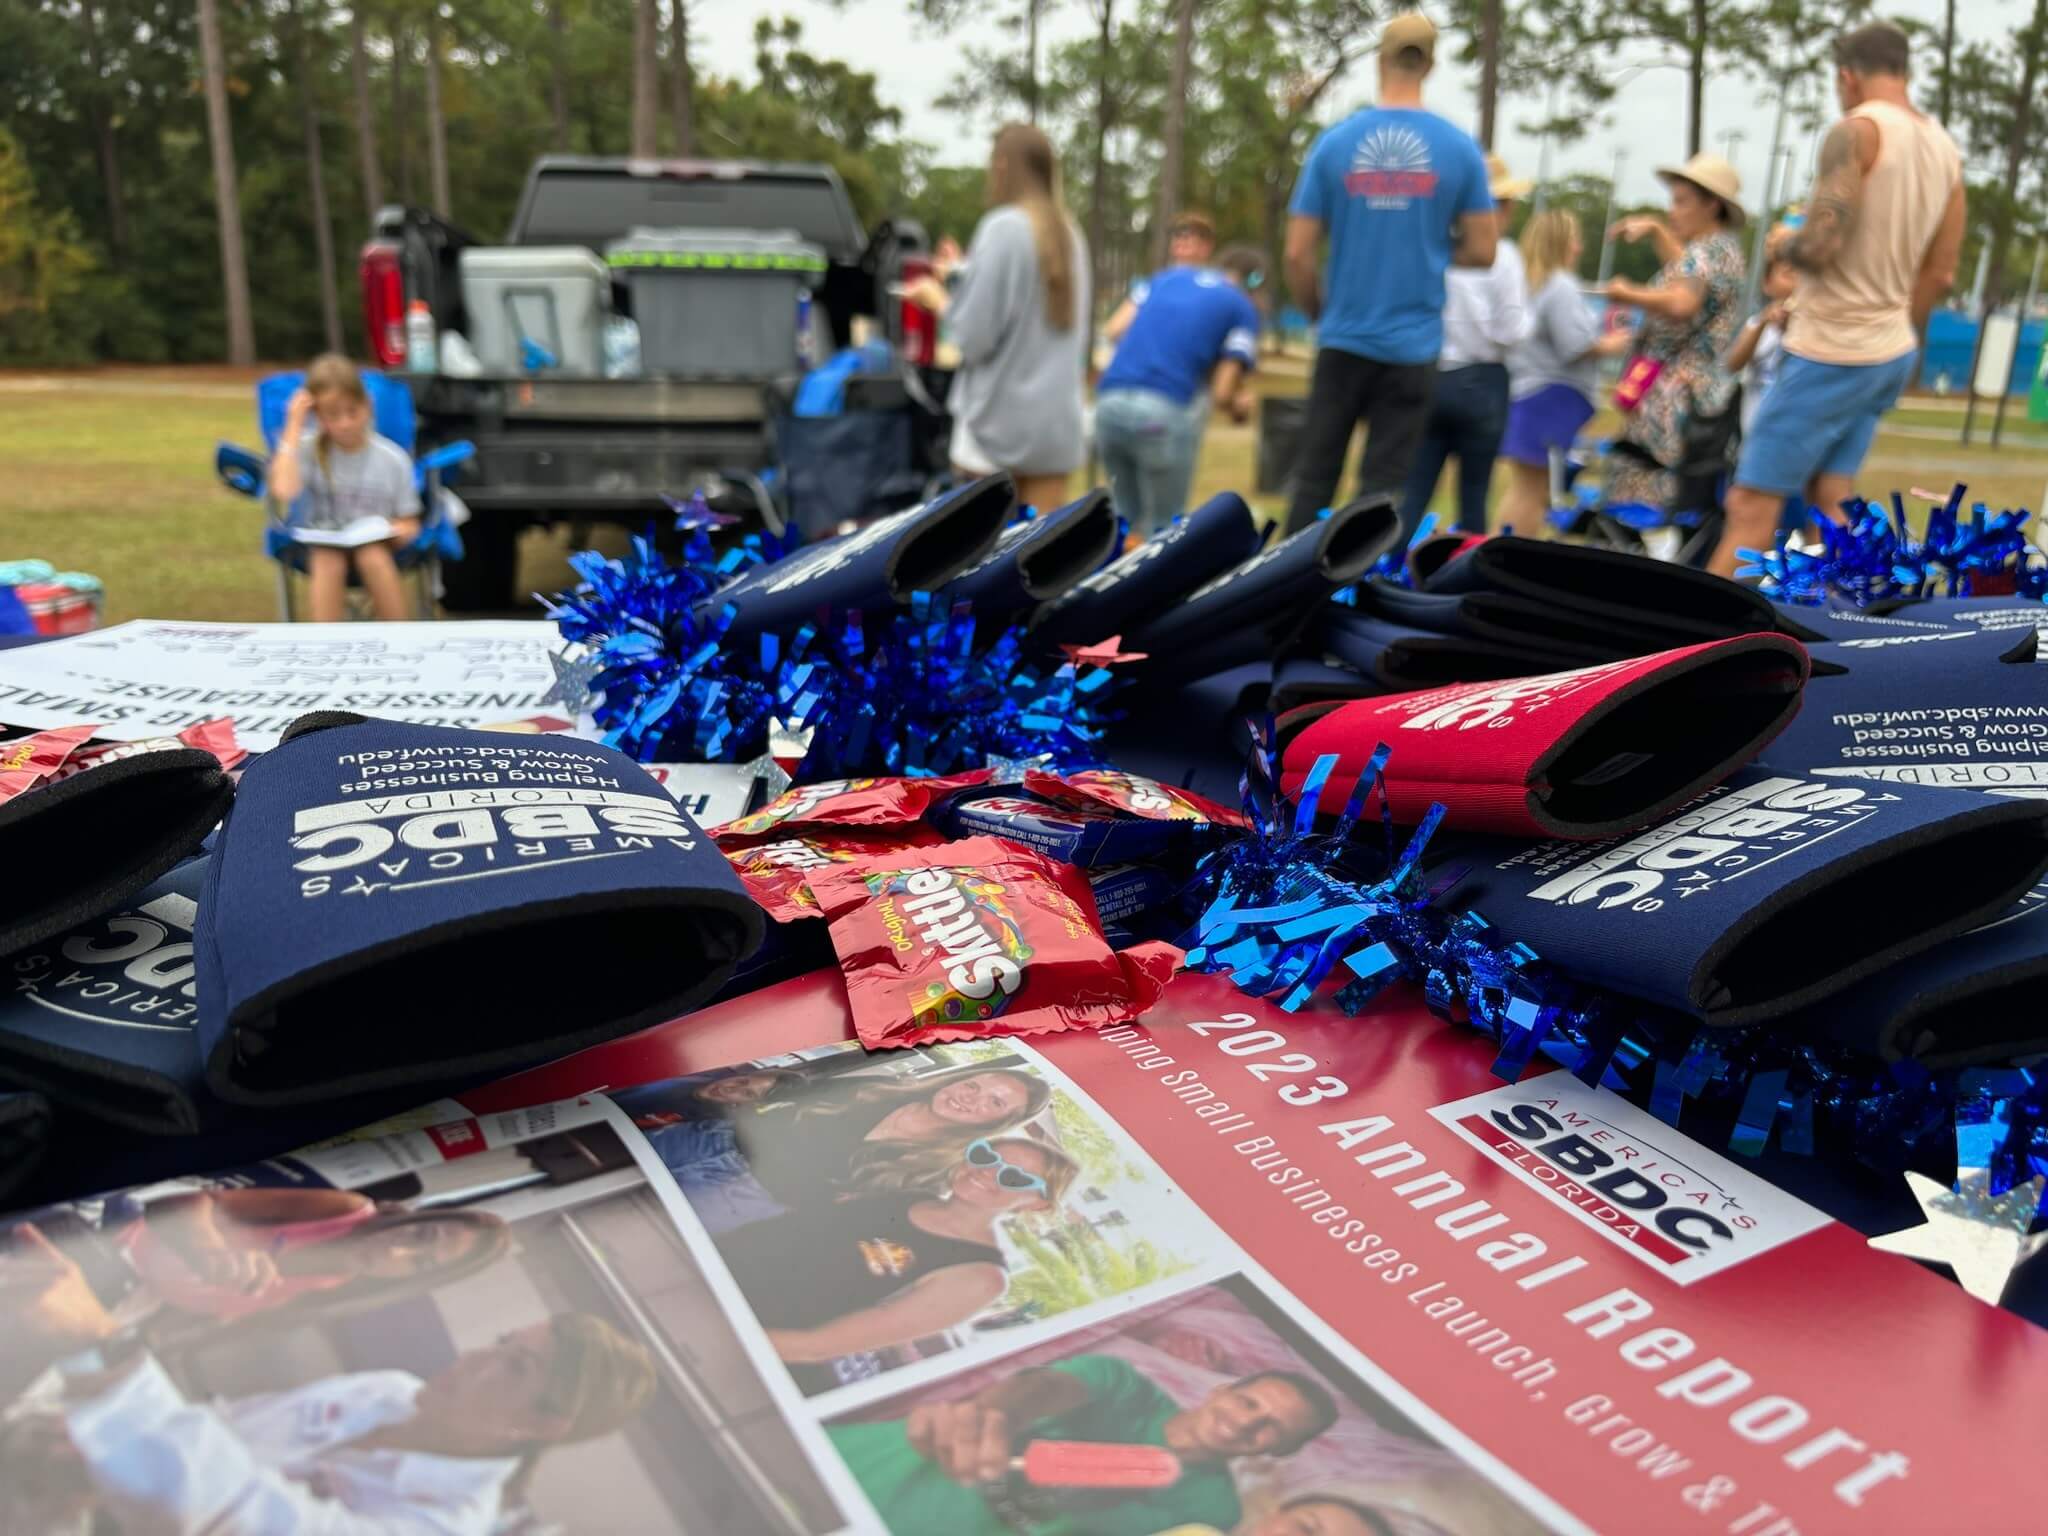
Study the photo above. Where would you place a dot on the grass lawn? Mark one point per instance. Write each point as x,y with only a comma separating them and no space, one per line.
111,472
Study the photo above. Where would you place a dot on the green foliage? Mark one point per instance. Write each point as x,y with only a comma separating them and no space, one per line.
1071,1264
44,269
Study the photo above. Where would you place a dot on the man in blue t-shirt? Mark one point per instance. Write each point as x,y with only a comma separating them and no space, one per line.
1402,194
1192,340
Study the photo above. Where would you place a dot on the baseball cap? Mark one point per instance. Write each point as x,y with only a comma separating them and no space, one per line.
1410,29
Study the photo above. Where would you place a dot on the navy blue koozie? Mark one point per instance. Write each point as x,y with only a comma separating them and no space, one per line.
1249,612
1972,1000
24,1132
1501,618
1848,623
1764,895
1666,604
105,1016
1035,559
1189,552
81,846
872,569
1958,708
1399,658
401,904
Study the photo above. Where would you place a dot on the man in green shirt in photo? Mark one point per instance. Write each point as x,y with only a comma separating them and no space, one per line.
947,1468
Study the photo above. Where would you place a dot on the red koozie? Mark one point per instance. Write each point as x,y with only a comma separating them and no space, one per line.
1587,753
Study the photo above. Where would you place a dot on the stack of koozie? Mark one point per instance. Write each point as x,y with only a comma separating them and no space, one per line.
387,912
1697,830
1510,607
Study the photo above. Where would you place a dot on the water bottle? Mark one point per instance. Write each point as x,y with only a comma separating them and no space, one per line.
420,351
806,344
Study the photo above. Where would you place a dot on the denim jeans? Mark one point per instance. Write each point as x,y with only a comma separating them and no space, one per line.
1148,444
1466,420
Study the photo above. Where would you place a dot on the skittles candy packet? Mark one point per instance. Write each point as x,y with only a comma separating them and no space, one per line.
851,803
777,871
975,938
1133,794
27,761
216,736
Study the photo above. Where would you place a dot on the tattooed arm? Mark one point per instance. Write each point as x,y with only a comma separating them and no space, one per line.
1846,154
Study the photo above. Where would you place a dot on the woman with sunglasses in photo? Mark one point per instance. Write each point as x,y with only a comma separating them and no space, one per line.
750,1146
884,1268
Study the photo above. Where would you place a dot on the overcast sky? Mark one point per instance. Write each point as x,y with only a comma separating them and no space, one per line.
913,64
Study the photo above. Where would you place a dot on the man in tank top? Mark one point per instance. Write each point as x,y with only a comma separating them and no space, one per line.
1876,252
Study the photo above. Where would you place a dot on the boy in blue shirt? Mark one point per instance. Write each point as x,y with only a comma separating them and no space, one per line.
1191,340
1403,195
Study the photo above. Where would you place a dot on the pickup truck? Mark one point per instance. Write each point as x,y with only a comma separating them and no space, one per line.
552,448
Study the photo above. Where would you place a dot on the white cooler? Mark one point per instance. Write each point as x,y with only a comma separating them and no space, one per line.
558,296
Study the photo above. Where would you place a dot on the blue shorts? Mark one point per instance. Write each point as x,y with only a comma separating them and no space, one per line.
1546,419
1818,419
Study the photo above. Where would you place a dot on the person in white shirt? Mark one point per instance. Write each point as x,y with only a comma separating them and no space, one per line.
1486,312
373,1453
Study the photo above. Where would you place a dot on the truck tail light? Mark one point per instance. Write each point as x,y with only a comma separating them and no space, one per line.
919,326
383,302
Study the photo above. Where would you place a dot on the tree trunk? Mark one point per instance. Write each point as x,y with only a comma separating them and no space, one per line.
558,74
1274,222
646,80
401,108
234,265
1696,80
682,80
105,150
437,125
1098,188
366,121
1031,60
1948,63
1172,172
316,190
2034,43
1489,70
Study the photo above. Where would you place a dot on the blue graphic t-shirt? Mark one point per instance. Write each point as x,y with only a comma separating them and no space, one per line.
1390,183
1189,319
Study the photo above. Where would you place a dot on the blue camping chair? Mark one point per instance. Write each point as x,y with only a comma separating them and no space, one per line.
242,470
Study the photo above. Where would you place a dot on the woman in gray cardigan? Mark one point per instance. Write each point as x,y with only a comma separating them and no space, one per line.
1017,307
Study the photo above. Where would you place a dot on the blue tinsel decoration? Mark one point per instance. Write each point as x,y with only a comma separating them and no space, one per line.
1286,910
1876,557
908,691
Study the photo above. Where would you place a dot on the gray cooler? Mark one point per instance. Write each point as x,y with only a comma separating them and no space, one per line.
717,303
558,296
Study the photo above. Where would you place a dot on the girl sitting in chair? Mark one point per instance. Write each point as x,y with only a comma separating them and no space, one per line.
348,473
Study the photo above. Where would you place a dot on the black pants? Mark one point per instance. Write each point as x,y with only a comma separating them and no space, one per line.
1466,419
1393,401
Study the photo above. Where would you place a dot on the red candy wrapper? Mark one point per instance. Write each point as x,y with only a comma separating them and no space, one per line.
1133,794
777,871
215,736
979,937
27,761
851,803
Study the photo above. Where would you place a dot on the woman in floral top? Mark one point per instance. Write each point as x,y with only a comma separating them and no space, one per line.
1690,315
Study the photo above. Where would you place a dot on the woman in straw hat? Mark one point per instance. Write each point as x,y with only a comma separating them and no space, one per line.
1674,376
